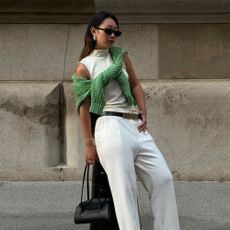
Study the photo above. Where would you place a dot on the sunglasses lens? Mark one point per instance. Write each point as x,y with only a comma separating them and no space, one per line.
117,33
110,32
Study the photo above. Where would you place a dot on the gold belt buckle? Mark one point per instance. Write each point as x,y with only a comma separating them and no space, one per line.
132,116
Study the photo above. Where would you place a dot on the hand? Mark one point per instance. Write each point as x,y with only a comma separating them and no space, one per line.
91,154
143,126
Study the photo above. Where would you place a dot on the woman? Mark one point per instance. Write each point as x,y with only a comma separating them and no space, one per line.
105,84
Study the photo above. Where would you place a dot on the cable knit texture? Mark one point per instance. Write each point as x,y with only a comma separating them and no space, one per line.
93,88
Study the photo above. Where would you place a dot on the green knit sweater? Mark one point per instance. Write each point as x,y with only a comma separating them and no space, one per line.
94,88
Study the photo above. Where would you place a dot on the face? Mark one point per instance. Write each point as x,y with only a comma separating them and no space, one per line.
104,40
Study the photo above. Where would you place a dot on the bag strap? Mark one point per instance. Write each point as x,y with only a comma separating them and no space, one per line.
86,173
86,176
87,187
139,212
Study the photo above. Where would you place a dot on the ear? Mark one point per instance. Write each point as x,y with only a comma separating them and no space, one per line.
93,30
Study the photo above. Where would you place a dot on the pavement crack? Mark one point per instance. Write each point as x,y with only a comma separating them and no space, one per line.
1,184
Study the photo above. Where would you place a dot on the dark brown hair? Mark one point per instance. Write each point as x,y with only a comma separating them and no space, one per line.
89,43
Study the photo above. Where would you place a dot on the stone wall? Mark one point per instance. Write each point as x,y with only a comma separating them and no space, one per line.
179,50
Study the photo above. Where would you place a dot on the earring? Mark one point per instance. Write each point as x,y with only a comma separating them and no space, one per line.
94,38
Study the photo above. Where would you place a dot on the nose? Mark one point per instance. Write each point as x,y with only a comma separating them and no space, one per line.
112,35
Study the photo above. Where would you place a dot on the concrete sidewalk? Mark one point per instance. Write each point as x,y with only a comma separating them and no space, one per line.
50,205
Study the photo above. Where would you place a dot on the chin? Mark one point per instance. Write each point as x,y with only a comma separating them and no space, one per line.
110,45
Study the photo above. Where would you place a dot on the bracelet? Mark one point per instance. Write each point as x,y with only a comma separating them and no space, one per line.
91,140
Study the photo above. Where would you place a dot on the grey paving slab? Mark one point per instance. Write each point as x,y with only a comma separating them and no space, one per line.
50,205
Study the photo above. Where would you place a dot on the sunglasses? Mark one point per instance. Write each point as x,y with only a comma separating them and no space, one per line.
108,31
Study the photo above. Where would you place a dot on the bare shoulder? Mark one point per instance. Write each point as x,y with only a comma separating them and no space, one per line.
126,57
128,63
133,79
82,71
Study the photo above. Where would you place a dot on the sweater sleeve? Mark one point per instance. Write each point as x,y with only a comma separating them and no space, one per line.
81,89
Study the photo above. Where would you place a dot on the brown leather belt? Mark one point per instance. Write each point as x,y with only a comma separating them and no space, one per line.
132,116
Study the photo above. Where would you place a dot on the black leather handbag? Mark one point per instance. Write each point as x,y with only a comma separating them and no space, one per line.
92,210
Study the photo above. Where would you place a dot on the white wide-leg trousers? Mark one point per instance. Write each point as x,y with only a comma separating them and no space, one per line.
124,152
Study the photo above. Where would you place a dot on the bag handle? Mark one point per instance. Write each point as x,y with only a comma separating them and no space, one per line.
86,173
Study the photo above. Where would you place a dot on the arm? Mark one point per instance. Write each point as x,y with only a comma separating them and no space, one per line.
90,148
137,91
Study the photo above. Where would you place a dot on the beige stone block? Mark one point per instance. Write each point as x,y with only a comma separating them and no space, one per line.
74,46
163,6
194,51
59,173
141,44
129,11
32,51
74,143
48,6
30,122
190,123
